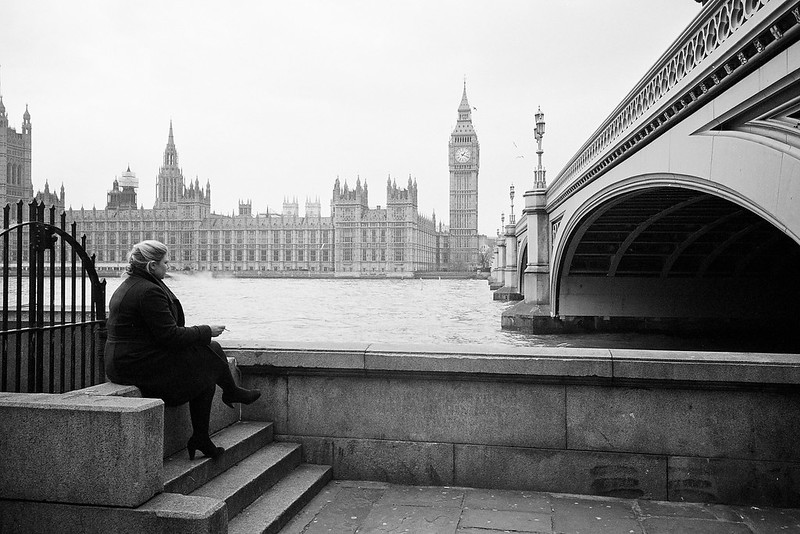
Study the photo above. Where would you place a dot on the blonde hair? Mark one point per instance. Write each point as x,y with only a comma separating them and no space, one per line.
144,252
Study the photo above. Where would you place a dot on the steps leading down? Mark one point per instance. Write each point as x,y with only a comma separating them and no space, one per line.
262,482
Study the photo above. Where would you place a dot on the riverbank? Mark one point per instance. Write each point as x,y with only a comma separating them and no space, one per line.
365,275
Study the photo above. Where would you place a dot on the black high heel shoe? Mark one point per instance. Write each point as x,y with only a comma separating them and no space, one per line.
204,445
240,395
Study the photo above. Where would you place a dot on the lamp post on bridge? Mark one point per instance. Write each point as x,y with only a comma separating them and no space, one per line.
511,219
538,133
535,282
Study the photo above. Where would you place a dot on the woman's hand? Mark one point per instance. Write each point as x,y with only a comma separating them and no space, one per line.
216,329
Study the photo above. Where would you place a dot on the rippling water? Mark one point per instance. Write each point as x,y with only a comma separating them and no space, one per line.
369,311
389,311
418,311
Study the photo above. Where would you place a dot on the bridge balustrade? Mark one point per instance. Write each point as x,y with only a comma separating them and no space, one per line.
704,61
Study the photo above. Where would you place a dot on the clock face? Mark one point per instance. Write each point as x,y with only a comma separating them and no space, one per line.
462,155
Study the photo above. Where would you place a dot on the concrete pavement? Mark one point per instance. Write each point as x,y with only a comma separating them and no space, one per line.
375,507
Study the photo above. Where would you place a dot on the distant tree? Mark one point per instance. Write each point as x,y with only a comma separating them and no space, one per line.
484,259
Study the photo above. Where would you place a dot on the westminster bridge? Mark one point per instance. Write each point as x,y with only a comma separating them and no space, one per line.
683,207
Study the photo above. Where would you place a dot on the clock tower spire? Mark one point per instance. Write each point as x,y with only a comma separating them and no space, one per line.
464,162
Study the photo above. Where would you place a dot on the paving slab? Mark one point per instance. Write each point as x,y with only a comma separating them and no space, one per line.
412,519
504,520
443,497
681,525
362,507
769,520
513,501
345,512
587,515
673,509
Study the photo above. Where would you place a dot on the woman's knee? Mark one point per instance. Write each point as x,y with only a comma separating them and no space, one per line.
216,347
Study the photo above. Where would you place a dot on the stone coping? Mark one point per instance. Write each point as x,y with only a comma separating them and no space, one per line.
519,362
78,400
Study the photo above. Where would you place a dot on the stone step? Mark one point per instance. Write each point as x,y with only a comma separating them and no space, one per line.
270,512
171,513
246,481
240,440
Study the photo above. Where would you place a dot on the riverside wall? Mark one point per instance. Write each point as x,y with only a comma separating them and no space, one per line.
680,426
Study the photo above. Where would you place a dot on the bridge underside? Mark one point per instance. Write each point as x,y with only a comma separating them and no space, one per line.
670,256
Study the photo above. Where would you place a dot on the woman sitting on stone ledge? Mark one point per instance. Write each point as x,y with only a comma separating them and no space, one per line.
150,347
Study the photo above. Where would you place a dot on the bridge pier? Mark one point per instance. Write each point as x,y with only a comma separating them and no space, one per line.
533,314
496,276
509,290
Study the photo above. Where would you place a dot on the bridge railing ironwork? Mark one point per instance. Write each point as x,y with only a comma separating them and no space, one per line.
52,331
726,41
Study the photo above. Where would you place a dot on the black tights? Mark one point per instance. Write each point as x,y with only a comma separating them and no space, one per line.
200,406
200,411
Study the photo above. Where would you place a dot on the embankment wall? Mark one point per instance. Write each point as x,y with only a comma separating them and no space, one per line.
680,426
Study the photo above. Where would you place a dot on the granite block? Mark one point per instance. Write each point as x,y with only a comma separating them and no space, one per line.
400,462
165,513
256,357
510,361
693,366
272,405
315,450
425,410
582,472
733,481
685,422
101,450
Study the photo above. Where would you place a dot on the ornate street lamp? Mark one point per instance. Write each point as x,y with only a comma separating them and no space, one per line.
539,181
511,219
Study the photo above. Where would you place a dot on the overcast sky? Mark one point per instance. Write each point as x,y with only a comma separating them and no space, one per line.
276,99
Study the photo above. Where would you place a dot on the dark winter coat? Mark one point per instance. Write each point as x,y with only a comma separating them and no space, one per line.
149,345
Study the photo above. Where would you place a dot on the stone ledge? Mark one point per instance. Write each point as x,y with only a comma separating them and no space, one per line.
254,355
686,366
76,401
523,362
112,390
543,361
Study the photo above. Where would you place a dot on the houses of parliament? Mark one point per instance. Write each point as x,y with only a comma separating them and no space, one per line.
355,240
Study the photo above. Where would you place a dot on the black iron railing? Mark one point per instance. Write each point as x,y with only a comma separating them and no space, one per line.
52,334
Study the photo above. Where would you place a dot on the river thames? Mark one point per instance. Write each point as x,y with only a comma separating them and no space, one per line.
369,311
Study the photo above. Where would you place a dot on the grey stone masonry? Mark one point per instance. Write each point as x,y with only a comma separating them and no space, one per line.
679,426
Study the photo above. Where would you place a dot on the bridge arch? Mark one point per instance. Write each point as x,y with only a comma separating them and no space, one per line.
666,246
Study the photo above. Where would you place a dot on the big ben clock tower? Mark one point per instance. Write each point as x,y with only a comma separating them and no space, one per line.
464,158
